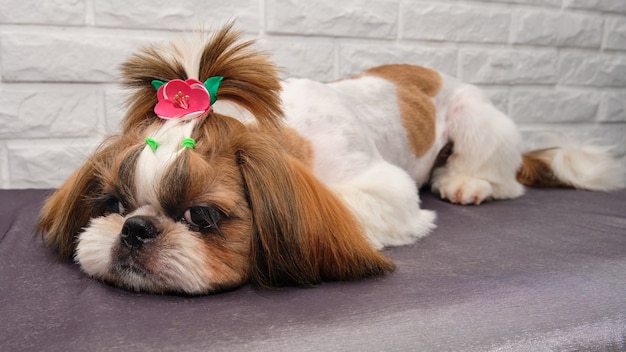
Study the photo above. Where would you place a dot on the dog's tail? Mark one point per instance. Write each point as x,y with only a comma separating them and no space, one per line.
573,165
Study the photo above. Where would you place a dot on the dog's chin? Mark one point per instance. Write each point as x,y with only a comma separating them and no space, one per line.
177,262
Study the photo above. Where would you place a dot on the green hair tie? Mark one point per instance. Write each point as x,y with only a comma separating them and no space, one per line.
188,143
152,144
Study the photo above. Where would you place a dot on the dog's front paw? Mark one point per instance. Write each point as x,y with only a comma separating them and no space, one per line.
461,189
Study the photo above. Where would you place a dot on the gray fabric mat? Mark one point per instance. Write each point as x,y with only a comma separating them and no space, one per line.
545,272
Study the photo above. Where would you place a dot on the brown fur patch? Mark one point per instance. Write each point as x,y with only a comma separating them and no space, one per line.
250,78
138,72
297,146
536,171
292,142
415,88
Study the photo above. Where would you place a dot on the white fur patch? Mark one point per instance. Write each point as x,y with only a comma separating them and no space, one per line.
93,251
234,110
586,166
385,200
151,164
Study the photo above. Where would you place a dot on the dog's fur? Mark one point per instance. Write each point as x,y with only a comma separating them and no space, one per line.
298,181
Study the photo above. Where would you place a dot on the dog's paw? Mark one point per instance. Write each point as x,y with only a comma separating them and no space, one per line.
461,189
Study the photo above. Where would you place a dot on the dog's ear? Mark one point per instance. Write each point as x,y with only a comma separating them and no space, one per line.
67,211
70,208
303,233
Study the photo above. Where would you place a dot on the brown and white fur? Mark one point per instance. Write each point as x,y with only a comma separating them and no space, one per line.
290,183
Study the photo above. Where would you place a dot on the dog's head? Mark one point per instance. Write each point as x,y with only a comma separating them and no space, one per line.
205,202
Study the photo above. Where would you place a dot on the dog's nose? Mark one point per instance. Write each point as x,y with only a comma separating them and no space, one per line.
137,231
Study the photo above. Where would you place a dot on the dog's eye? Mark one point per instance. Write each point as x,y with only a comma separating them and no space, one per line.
115,206
203,217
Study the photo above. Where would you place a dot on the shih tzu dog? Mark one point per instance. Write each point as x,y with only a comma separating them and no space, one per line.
224,175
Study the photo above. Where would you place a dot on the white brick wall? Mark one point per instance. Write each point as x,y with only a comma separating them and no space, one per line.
553,65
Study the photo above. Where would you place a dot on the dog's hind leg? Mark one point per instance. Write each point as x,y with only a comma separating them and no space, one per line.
486,155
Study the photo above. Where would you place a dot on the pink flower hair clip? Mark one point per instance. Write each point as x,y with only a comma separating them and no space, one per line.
187,99
184,100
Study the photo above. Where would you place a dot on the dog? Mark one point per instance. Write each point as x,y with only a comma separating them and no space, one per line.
224,175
